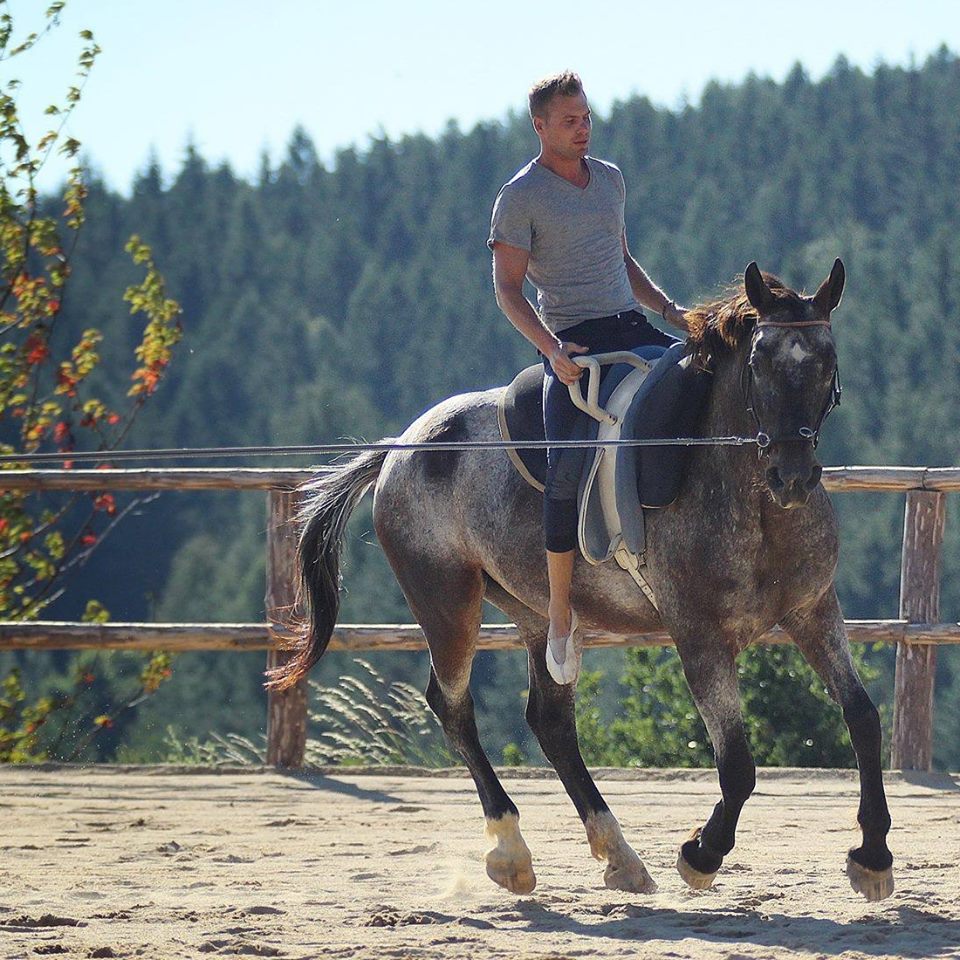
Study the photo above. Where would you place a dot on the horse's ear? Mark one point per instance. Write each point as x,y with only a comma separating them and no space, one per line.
827,298
758,293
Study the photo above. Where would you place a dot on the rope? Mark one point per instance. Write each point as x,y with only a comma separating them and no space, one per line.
338,449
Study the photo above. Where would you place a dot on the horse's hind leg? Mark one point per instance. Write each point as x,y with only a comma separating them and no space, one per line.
446,600
550,713
821,637
711,672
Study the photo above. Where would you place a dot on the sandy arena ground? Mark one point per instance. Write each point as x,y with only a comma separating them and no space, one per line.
156,863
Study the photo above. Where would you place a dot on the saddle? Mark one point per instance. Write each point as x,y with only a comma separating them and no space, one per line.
657,394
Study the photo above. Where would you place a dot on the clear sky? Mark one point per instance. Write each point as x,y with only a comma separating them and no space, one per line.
236,76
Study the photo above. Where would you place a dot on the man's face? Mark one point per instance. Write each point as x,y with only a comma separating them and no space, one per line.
565,130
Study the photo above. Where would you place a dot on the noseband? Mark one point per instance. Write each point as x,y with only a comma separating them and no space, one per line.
805,434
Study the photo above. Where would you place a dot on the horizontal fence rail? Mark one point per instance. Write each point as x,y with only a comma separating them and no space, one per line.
834,479
916,634
356,637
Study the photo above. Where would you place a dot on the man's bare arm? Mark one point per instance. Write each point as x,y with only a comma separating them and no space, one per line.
649,294
509,270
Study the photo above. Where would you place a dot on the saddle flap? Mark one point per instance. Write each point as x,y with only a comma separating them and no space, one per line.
669,405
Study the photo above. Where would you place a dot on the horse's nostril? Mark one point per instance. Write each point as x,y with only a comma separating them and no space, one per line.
774,480
814,477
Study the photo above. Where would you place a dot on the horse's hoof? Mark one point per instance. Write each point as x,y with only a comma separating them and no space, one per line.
625,870
873,884
509,863
629,877
692,877
515,877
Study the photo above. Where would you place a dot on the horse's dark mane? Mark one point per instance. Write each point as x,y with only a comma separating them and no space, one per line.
720,326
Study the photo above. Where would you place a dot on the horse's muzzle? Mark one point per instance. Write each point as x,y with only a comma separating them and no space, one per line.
792,488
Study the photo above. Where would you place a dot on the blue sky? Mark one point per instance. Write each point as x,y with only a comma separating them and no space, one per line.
236,76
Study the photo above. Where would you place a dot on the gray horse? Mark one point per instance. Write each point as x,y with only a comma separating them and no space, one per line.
751,542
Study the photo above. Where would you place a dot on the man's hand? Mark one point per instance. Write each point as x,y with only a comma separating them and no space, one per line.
675,316
566,370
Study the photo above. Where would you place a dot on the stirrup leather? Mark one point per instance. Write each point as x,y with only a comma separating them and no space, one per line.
632,564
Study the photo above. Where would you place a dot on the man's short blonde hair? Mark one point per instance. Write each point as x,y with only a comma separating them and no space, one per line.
566,84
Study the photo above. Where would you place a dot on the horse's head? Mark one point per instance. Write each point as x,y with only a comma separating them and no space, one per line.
791,380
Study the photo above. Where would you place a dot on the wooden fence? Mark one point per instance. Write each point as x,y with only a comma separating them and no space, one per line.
916,633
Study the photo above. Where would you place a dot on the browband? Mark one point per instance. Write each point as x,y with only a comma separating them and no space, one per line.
793,323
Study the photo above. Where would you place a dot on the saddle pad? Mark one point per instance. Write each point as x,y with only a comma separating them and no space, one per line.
520,412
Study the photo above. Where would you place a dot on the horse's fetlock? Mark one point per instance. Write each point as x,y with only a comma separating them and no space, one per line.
712,842
699,857
872,856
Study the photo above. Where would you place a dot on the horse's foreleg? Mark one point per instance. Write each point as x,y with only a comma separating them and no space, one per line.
711,674
821,637
550,713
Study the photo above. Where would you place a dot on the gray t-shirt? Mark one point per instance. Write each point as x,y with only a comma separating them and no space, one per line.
573,236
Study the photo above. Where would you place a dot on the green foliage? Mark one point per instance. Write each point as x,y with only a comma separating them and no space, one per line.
789,716
79,715
371,720
48,403
363,720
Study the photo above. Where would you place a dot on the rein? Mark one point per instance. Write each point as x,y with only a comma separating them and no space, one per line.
805,434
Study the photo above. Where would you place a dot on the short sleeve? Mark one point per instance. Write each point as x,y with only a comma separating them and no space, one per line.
621,186
511,222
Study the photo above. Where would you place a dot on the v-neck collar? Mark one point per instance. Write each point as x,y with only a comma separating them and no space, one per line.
570,183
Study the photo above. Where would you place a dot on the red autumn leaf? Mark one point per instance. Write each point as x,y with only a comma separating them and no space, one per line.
106,502
88,540
36,349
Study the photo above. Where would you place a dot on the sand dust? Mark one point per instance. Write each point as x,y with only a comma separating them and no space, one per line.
155,863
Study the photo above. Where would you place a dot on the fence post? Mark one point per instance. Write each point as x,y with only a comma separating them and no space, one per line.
286,711
923,522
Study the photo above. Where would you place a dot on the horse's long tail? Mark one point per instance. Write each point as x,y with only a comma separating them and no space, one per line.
324,515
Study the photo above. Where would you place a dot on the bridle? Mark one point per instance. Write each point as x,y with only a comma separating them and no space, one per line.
805,434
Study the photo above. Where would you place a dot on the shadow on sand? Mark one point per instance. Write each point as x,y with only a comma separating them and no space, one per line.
911,933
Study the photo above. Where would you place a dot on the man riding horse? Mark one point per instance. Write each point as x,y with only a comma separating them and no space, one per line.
559,222
750,541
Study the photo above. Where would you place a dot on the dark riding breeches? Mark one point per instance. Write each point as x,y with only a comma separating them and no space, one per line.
563,421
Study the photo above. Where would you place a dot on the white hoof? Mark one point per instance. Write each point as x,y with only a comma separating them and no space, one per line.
630,875
509,863
564,654
873,884
692,877
625,870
